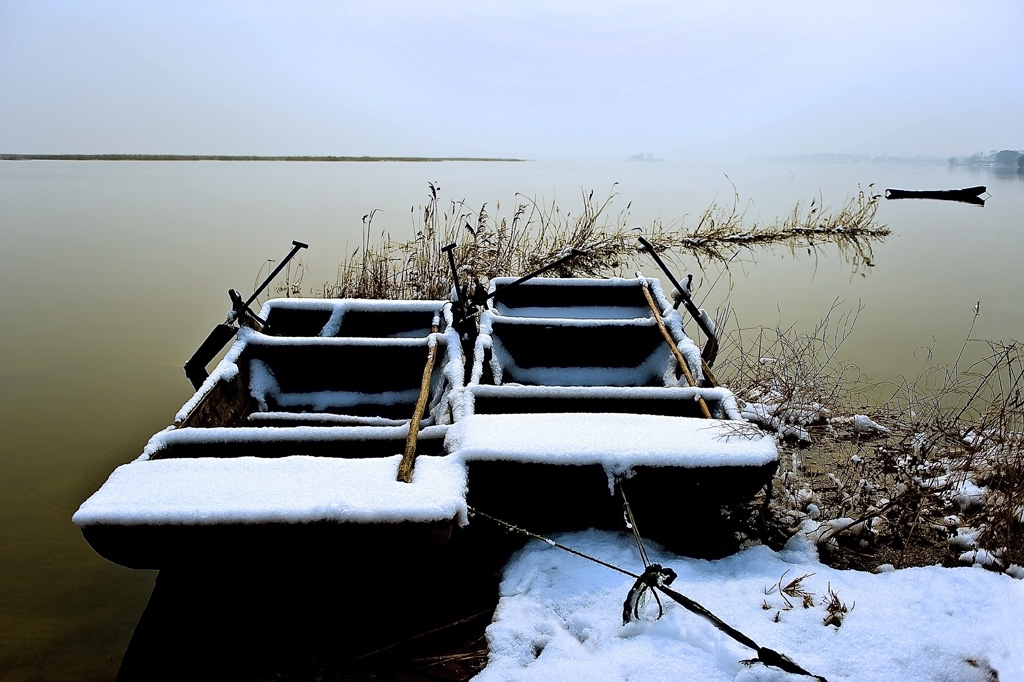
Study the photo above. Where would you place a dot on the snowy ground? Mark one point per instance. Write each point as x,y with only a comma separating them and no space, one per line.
560,618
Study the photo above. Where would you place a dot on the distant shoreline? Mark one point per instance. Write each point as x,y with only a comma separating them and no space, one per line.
206,157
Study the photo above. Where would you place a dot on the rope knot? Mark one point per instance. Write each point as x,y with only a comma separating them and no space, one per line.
653,576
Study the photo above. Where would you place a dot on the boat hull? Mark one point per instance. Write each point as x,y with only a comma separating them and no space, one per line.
970,195
198,547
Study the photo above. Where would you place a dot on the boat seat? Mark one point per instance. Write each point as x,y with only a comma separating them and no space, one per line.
666,401
353,318
272,442
551,472
362,379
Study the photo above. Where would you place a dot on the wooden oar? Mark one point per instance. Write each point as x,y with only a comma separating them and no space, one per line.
675,350
409,456
195,368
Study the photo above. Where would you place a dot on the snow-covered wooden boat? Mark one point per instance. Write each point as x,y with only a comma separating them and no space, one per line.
295,441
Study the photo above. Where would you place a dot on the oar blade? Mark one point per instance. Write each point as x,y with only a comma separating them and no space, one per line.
195,368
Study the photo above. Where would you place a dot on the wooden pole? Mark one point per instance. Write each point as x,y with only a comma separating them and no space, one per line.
675,350
708,373
711,347
409,456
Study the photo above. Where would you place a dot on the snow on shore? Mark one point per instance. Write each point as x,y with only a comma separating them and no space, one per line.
559,618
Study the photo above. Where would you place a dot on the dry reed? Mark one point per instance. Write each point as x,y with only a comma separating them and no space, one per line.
538,233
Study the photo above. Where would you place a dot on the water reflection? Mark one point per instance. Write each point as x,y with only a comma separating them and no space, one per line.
345,612
1009,173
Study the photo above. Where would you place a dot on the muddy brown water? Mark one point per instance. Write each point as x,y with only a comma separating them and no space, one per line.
113,272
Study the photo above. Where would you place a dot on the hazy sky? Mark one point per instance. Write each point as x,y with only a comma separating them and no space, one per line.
544,80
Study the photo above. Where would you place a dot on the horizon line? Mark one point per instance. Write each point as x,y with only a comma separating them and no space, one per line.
244,157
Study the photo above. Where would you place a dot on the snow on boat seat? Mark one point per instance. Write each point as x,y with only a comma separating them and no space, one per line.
544,352
565,348
354,317
269,380
363,377
672,402
619,443
612,358
614,298
328,381
558,471
342,442
156,513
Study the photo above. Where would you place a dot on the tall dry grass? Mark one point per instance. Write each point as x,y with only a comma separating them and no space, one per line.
536,233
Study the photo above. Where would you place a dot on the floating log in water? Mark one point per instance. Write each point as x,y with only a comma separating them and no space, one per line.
970,195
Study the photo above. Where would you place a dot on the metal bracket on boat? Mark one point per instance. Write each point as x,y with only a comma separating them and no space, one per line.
711,347
465,307
195,368
242,313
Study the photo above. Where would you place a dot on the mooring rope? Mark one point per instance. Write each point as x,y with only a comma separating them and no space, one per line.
768,657
654,575
631,523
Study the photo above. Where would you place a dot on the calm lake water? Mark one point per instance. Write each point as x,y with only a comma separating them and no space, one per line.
112,273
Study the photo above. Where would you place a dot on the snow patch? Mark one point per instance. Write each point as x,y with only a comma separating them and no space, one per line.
559,618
